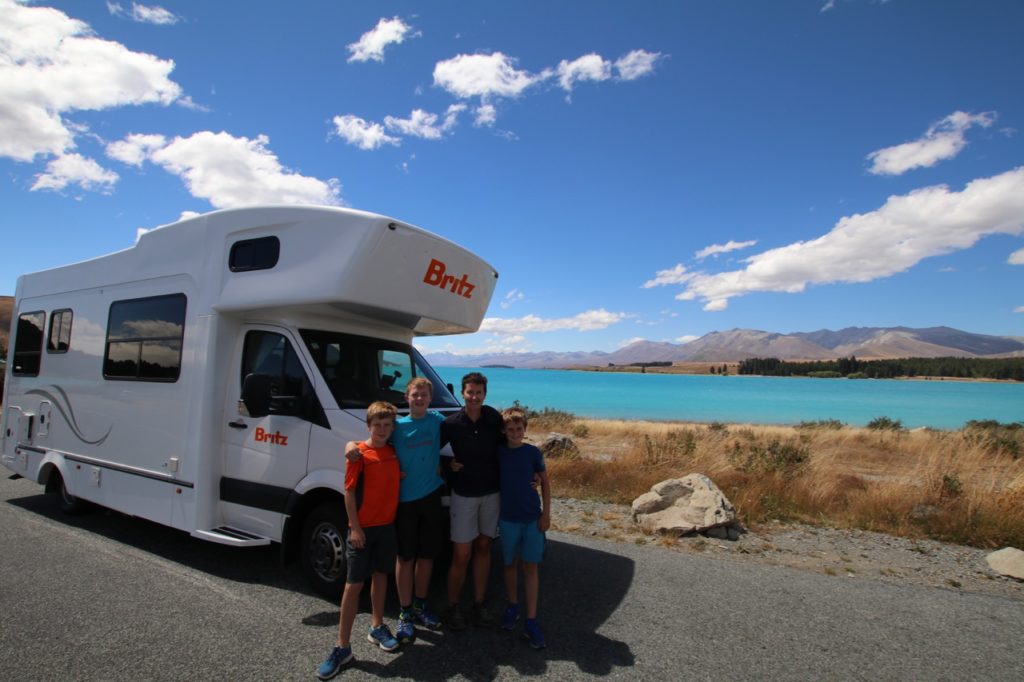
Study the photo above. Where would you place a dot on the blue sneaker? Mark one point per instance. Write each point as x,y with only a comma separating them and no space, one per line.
508,621
406,632
426,617
531,632
339,656
382,637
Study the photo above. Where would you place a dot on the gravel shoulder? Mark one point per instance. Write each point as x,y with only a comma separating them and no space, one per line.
845,554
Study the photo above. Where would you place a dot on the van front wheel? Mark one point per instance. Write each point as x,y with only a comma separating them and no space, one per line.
323,549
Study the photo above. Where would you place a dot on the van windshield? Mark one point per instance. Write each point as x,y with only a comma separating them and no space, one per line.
360,369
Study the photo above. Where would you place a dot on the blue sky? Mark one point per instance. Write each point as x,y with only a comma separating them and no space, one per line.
644,170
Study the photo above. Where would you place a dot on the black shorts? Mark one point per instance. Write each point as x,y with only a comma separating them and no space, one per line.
376,556
420,527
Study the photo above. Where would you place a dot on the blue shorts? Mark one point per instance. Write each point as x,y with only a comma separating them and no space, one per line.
521,541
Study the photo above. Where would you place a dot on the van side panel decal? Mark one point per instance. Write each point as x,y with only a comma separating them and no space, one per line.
251,494
63,404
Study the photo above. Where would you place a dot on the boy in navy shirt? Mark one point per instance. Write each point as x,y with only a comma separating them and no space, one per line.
523,520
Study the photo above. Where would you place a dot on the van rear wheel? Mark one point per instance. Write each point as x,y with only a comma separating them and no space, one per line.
69,504
323,549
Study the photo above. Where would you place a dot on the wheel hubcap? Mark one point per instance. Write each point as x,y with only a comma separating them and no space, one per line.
327,549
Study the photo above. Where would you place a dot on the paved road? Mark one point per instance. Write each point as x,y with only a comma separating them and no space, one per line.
106,597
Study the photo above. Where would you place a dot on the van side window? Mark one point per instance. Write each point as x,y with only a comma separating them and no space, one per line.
28,344
144,337
291,392
254,254
59,339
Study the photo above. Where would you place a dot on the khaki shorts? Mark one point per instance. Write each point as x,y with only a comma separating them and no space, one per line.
474,516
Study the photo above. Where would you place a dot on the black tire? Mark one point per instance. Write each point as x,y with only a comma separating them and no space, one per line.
323,549
69,504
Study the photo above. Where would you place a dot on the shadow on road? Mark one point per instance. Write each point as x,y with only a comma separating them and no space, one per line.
581,588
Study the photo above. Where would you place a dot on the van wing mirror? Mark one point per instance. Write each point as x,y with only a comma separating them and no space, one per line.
256,395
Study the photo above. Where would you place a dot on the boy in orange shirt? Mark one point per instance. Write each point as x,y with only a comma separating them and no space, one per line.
371,500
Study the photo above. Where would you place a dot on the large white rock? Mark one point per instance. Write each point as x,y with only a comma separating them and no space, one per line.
1007,561
689,504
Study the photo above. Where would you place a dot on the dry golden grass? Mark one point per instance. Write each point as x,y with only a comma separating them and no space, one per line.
963,486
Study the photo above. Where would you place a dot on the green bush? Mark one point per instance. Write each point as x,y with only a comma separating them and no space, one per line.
885,424
776,457
996,437
830,424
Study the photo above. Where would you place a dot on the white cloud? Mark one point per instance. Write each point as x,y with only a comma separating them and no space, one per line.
361,133
675,275
51,64
636,64
511,298
371,45
686,338
1016,258
232,171
590,67
424,124
134,149
144,14
941,141
864,247
1019,309
584,322
75,169
723,248
483,75
486,115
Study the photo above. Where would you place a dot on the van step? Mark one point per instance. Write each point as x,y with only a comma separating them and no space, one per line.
225,535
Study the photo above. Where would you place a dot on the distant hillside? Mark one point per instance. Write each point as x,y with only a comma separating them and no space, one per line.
739,344
6,308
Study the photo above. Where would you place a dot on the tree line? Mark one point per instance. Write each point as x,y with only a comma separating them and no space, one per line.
852,368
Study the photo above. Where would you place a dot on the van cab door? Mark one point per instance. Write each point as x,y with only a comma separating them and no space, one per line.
266,456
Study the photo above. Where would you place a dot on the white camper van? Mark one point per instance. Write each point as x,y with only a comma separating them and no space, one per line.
208,377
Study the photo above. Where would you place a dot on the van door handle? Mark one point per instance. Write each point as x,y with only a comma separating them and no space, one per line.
238,425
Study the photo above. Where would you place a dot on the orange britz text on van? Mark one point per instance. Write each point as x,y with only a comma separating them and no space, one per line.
276,438
437,277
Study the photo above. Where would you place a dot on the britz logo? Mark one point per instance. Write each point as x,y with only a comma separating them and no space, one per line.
276,438
436,277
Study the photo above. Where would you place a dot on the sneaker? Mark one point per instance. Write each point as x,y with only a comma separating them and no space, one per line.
406,632
339,656
382,637
455,618
426,618
482,616
508,621
532,633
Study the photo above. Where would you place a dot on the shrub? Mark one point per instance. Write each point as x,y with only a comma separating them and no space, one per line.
996,437
547,417
775,457
580,430
885,424
830,424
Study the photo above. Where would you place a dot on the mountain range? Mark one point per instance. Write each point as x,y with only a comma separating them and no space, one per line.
866,343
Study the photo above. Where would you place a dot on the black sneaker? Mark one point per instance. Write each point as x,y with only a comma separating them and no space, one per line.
455,619
482,617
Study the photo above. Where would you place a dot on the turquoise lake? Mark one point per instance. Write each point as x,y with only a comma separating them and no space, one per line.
746,399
